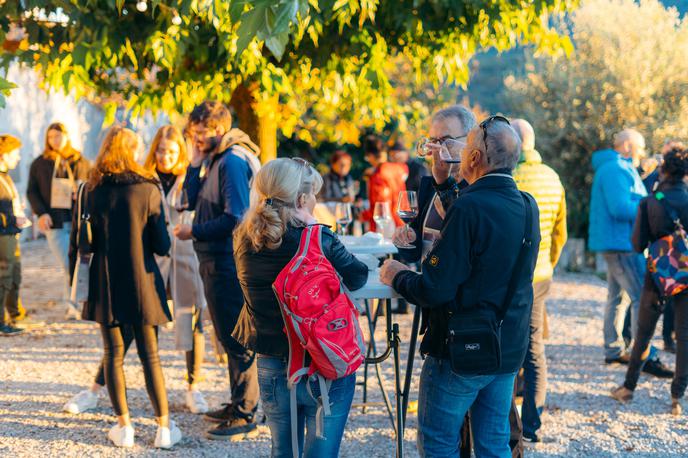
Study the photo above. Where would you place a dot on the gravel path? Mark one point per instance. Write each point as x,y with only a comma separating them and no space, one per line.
41,369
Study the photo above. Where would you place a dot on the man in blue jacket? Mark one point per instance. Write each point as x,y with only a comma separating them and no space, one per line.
217,186
616,193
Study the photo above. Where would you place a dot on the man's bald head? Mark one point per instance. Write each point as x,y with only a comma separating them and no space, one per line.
630,143
525,132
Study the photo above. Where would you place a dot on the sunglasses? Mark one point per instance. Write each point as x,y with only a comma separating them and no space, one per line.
486,123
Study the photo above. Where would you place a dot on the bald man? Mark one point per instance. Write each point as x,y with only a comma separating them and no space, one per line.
543,183
616,193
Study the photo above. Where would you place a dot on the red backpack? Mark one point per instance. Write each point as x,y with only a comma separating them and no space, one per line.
320,320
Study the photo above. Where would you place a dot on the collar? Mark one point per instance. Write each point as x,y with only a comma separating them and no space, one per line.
496,179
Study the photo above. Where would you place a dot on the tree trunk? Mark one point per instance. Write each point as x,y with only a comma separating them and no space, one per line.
262,130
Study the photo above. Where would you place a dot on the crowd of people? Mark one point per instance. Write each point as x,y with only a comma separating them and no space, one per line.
198,225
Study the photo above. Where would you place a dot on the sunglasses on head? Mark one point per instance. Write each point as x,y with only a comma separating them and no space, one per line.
487,122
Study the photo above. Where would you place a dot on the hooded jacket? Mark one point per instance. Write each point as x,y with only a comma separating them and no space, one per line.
221,196
540,181
616,193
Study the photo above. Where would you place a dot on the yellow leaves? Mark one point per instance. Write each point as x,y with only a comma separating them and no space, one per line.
129,51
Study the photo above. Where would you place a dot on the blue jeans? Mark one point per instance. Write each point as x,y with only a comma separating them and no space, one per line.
445,397
272,379
625,271
58,242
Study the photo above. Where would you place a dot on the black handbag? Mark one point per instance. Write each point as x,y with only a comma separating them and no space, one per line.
84,241
474,333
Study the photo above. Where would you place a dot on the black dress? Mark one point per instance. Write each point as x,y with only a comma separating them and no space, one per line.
129,228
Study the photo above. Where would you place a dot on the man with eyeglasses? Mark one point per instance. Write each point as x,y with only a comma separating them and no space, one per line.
469,268
217,186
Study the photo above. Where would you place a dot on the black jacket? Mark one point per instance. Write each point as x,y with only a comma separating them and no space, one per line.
40,182
417,171
128,226
653,223
260,326
472,263
448,192
8,220
219,199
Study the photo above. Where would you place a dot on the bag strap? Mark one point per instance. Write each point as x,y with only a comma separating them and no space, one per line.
58,161
520,261
81,211
670,211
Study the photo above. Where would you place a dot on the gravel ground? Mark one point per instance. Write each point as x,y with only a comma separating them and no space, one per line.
41,369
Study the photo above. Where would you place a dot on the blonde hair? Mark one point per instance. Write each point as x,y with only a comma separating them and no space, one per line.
173,134
277,188
116,155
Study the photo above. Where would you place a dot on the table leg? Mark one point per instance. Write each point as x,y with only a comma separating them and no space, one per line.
372,357
397,389
409,361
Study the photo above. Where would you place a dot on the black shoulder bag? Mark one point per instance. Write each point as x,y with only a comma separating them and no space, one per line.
84,246
474,334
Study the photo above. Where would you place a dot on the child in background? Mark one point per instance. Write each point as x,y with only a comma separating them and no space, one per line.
12,220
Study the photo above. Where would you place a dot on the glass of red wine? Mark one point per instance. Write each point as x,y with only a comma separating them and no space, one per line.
407,209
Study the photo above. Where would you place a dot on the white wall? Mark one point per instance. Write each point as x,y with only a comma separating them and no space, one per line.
30,110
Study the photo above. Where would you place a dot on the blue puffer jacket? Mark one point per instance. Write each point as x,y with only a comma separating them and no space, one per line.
616,193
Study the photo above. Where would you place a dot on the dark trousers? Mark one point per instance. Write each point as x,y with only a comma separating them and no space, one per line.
668,327
535,363
225,300
146,338
194,357
10,278
650,310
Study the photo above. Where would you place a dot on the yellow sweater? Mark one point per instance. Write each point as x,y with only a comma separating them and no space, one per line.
544,185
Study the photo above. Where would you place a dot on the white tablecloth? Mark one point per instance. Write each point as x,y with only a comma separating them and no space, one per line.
362,245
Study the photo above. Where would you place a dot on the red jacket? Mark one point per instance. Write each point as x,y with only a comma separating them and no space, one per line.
385,184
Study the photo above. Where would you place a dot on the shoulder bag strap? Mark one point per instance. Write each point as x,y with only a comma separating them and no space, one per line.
670,211
520,261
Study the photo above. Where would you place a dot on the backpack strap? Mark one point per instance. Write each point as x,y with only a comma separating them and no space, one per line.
670,211
520,261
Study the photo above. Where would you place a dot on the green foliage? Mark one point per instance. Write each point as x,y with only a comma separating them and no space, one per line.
329,62
629,69
5,88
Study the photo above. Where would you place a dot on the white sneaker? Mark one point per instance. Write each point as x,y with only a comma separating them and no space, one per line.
166,437
122,436
72,312
196,402
81,402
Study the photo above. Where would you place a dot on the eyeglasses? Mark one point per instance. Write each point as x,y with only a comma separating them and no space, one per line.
301,161
487,122
425,145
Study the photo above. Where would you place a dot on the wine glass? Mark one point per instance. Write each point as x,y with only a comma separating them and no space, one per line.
407,209
382,215
342,213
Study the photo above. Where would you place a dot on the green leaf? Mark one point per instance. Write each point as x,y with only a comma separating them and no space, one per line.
285,14
277,44
110,110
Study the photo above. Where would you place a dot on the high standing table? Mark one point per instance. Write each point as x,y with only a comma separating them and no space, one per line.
373,289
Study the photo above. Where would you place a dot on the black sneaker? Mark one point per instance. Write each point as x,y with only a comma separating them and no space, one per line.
236,429
220,415
657,368
625,358
9,330
532,438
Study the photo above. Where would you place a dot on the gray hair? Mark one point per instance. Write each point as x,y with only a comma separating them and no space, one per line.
503,145
458,112
630,135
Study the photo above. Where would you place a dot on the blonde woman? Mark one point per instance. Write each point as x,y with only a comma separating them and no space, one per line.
167,160
267,239
128,229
